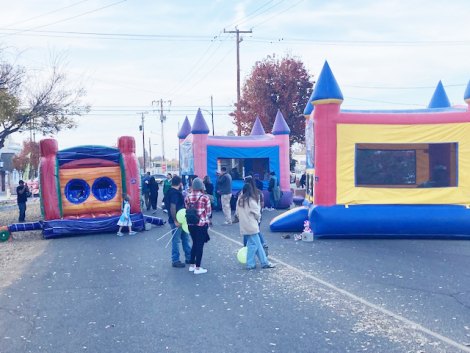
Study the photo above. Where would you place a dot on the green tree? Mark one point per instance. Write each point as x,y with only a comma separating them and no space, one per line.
46,105
275,84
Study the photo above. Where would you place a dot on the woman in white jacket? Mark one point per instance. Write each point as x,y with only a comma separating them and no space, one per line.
249,213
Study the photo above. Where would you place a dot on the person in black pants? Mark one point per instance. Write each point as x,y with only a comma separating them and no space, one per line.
199,232
22,192
153,188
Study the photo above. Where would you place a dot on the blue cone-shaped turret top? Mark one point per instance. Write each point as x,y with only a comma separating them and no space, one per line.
308,108
326,89
280,126
199,125
439,98
466,95
185,129
258,128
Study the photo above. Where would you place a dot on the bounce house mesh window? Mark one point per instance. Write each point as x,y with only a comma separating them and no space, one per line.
104,189
407,165
241,167
77,191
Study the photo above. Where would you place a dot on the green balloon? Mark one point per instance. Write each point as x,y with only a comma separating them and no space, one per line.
185,227
241,255
181,216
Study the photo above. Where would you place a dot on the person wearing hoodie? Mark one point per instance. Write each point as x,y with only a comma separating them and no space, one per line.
249,213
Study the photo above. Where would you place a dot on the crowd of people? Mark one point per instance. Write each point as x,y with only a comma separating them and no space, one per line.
203,196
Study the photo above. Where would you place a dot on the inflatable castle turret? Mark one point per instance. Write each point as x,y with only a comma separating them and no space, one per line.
256,154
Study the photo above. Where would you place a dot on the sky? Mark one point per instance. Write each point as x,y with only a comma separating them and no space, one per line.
129,55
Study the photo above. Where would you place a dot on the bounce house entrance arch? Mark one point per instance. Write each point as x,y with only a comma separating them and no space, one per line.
251,160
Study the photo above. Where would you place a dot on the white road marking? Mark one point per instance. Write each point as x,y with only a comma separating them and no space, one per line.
413,325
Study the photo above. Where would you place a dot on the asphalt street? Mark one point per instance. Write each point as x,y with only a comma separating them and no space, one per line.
102,293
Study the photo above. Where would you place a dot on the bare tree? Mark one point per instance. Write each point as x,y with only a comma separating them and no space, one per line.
47,107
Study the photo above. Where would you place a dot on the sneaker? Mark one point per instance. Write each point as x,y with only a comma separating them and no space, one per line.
251,268
119,234
269,265
165,210
132,233
199,271
178,264
192,268
227,223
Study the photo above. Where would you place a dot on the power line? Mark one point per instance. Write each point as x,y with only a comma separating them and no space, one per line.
68,18
213,39
247,17
46,13
277,14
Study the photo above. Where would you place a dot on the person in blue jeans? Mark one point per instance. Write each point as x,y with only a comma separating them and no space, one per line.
249,213
174,201
258,194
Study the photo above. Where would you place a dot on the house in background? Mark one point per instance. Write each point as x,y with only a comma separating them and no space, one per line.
8,176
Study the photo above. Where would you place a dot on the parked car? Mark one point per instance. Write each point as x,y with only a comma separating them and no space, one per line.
160,178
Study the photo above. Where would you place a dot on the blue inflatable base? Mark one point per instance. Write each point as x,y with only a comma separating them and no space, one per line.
66,227
391,221
290,221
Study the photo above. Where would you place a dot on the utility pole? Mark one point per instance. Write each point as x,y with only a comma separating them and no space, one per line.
142,128
239,40
212,114
150,154
161,102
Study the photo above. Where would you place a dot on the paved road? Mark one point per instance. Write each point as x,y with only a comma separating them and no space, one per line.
102,293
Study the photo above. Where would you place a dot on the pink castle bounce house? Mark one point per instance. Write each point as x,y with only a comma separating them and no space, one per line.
256,154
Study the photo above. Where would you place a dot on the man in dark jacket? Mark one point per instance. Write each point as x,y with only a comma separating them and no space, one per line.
224,189
22,192
174,201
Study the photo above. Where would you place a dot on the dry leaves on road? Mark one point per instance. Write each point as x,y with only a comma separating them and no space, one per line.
17,254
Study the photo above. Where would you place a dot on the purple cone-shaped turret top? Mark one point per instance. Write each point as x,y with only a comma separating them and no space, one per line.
199,125
257,128
280,126
185,129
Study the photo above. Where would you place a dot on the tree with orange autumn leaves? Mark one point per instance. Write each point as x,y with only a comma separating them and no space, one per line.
275,84
28,159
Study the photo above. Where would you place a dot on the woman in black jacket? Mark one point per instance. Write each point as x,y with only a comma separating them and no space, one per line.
153,186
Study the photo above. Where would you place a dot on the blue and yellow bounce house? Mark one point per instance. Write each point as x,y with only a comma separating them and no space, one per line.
387,173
